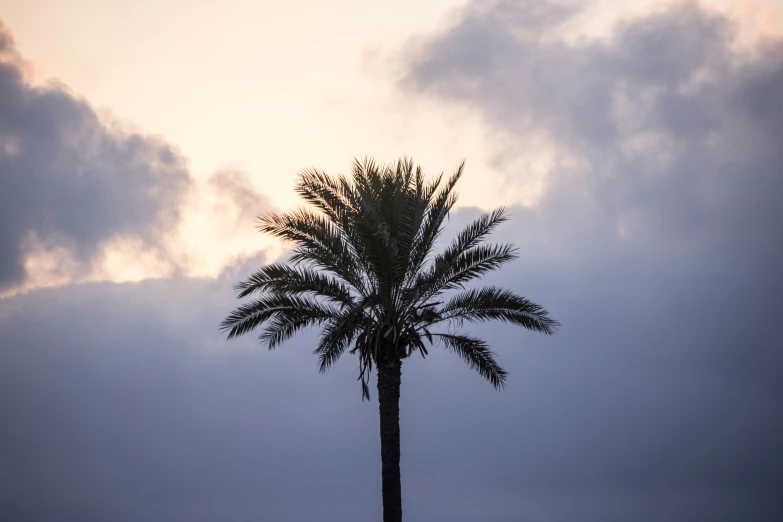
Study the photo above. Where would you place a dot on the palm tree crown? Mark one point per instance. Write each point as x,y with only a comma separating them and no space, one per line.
363,268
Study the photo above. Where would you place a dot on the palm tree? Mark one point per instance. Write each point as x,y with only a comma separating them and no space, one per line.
363,270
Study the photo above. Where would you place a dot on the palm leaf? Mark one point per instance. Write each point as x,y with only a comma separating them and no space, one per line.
337,336
253,314
441,200
492,303
318,241
285,279
452,273
477,354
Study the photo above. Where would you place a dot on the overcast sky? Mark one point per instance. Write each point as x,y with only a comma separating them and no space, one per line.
637,143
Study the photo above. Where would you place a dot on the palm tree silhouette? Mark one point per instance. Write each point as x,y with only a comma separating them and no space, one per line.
364,271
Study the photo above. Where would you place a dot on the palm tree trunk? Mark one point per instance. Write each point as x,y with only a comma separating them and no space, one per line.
389,373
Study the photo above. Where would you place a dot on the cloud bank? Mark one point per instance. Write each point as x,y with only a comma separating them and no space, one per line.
83,199
69,181
663,133
660,215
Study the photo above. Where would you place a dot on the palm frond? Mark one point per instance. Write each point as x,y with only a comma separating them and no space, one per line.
477,354
249,316
408,212
340,201
331,195
441,200
492,303
294,280
337,336
452,273
475,232
282,326
318,241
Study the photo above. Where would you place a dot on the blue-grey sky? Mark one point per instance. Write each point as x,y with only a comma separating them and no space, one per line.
654,152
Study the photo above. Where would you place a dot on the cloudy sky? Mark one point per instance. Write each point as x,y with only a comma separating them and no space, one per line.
639,145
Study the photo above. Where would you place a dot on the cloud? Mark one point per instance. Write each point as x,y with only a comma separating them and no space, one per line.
656,235
70,181
123,401
82,199
236,187
218,224
664,137
126,403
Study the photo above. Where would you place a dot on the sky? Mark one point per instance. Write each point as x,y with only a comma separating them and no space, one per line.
637,145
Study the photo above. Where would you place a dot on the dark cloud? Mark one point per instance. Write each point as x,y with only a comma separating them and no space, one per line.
677,136
661,241
123,402
67,180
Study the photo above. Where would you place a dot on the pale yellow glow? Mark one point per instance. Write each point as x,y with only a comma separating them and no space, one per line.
271,87
123,259
214,231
